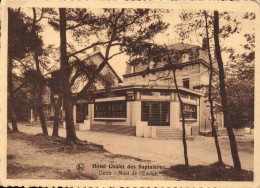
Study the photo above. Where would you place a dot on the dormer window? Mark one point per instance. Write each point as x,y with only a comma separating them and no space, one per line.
132,68
186,83
185,57
152,65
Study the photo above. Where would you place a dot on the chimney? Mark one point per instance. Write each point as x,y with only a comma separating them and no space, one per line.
204,44
96,49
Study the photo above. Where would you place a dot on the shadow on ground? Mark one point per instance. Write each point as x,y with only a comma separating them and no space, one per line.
213,172
50,144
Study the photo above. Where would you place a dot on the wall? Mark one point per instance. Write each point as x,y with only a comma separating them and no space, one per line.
189,71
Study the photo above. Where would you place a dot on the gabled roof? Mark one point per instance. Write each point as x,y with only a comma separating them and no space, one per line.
88,56
56,73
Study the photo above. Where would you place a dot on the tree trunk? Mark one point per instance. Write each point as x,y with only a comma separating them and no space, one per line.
210,96
11,102
8,128
183,121
40,84
40,109
56,122
223,94
67,97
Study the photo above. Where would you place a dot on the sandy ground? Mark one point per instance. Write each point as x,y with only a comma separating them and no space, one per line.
201,150
26,161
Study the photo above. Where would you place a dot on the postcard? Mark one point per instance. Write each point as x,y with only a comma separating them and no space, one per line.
129,93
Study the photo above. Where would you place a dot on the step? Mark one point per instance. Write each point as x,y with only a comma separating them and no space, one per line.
168,133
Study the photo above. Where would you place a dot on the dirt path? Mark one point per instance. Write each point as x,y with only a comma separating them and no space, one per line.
201,151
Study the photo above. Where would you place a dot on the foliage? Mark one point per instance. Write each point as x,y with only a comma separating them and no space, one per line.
240,80
106,28
239,70
19,34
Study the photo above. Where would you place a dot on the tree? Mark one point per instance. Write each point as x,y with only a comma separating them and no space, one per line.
57,105
113,27
37,50
200,24
152,52
67,98
210,93
18,46
172,62
223,93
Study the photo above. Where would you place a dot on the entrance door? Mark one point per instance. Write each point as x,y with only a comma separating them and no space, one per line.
82,112
156,113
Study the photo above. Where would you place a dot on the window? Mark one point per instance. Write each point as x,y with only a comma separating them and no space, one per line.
185,57
190,111
192,97
152,65
183,95
156,113
165,93
147,93
115,109
132,68
186,83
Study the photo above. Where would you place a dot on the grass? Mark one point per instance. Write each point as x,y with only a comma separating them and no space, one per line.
213,172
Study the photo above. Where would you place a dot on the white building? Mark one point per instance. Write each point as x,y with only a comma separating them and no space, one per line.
144,107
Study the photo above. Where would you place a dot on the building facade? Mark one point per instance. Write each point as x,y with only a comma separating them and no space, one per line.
147,100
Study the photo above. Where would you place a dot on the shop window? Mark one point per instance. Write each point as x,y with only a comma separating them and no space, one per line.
115,109
190,111
156,113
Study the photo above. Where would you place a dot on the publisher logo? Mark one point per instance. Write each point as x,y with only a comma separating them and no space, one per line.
80,167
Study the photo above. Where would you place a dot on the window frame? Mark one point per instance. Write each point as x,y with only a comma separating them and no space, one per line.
148,114
192,113
132,68
111,109
186,80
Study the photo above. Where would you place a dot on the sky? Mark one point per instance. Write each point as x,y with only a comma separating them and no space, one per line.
51,37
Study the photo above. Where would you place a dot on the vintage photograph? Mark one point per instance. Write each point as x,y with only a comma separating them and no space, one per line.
130,94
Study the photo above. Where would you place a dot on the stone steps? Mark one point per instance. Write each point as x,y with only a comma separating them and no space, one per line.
168,133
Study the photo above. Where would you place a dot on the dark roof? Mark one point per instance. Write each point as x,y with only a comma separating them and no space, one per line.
181,46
